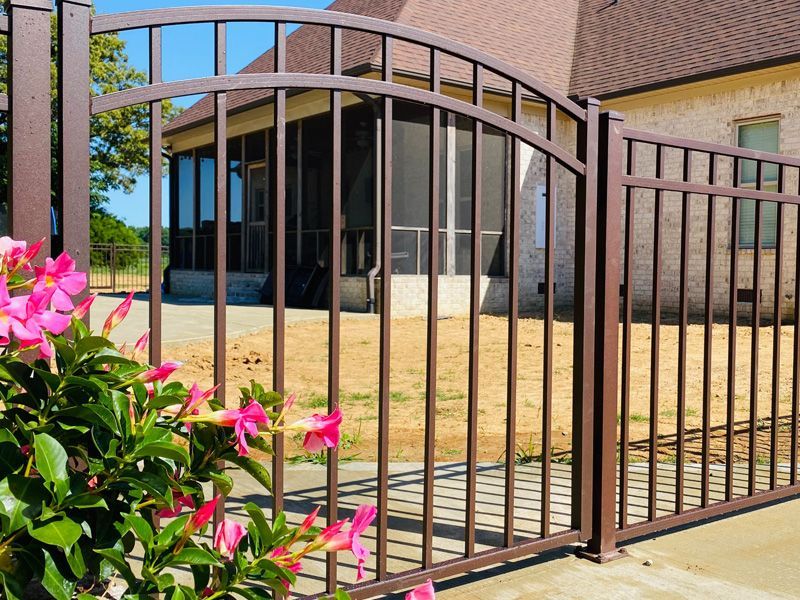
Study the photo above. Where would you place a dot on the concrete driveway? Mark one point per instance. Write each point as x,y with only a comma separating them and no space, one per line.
186,319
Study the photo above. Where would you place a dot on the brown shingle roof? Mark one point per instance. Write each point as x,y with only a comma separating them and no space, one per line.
582,47
635,44
511,34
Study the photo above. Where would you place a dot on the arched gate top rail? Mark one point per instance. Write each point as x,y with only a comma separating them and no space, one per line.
222,83
227,14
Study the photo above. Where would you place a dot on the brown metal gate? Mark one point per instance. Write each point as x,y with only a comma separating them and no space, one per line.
600,482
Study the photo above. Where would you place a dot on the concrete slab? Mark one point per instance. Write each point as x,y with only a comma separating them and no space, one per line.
188,320
753,555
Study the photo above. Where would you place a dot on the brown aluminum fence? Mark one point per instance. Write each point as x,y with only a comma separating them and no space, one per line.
599,175
122,267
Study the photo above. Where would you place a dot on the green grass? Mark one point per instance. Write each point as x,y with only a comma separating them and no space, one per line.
315,401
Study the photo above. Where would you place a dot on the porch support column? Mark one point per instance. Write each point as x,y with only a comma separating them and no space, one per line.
29,166
602,543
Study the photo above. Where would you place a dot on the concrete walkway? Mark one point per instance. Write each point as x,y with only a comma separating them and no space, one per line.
752,555
188,320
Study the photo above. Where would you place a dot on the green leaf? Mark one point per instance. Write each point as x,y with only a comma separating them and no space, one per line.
22,499
93,413
260,521
59,586
222,481
12,588
256,470
195,556
76,561
253,593
11,458
61,533
91,344
141,528
51,462
86,501
164,450
171,530
151,483
117,560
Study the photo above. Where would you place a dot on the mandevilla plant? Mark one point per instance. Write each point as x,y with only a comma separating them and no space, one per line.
98,452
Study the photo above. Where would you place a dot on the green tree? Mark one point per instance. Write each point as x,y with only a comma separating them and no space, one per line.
119,143
108,229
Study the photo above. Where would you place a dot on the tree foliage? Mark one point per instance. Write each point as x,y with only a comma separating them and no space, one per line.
119,143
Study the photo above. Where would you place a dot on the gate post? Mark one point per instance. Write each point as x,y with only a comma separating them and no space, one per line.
73,127
602,544
29,186
583,348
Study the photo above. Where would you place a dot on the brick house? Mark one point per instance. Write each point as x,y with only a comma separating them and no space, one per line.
684,68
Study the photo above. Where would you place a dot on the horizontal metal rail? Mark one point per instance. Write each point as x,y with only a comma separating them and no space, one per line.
226,83
671,141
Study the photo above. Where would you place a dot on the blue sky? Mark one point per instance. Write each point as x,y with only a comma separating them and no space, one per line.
188,52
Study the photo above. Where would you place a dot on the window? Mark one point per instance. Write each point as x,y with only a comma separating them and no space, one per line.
764,136
182,246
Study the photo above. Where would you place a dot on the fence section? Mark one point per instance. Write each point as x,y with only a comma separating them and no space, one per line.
122,268
744,452
597,513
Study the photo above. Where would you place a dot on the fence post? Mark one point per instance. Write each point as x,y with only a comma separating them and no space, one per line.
602,544
113,264
29,120
73,127
583,349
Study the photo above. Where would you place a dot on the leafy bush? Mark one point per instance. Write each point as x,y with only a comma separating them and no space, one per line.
95,446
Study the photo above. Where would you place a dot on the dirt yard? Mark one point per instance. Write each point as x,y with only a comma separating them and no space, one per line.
250,357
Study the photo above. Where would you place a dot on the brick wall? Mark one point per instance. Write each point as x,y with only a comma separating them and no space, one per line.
711,115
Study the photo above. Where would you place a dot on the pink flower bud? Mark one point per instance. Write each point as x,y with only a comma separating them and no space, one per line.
160,373
141,345
201,517
82,309
117,315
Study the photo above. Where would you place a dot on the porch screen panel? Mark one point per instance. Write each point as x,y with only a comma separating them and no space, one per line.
182,254
235,203
493,199
204,239
358,188
762,136
316,189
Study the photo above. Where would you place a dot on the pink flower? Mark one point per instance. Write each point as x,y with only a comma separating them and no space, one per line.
229,534
243,420
333,539
92,483
82,309
422,592
198,397
141,345
161,373
60,276
12,252
321,431
286,560
178,502
39,319
13,312
117,315
201,517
